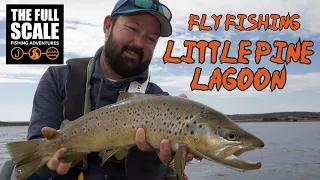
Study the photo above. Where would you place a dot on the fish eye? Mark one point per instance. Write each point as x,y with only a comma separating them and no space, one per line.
232,136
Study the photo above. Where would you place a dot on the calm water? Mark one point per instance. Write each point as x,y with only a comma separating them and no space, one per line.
292,152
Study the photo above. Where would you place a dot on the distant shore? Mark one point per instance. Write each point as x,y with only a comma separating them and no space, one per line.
264,117
14,123
279,120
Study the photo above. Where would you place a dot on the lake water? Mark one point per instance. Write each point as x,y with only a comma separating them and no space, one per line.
291,152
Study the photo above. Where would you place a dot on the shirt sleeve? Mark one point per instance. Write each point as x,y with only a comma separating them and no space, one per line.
47,110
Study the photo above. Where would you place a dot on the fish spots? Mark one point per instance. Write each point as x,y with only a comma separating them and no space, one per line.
191,132
186,117
106,129
178,118
146,122
133,127
200,126
183,124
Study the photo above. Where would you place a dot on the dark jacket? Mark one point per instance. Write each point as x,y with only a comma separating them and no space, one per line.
48,111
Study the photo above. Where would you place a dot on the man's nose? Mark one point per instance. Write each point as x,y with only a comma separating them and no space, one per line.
139,41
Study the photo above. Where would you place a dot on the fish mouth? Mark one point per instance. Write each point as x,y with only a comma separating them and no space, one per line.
231,156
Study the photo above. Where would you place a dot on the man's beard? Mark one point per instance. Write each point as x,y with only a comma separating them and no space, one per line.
124,66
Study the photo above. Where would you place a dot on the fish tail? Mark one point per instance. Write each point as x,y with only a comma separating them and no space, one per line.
26,157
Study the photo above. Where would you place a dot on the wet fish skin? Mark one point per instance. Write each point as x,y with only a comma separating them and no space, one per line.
190,126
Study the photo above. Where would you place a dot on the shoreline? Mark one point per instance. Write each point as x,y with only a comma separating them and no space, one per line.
4,124
263,121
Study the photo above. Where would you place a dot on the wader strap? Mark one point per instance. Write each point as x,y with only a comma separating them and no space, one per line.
74,91
87,101
139,87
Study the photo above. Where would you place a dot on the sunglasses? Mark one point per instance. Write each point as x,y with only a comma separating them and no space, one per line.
150,4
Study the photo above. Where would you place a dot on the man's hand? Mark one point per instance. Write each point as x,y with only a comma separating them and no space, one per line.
165,147
54,164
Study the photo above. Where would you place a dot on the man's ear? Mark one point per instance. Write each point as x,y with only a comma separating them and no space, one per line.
107,25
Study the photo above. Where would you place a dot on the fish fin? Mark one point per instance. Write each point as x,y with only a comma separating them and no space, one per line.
106,154
121,153
23,171
72,156
126,95
25,156
180,160
65,123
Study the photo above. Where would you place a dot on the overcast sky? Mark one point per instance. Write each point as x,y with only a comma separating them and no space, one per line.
84,35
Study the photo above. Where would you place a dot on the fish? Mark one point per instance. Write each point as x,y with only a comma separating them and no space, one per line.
191,127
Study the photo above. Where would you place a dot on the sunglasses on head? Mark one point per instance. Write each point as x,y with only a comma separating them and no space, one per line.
150,4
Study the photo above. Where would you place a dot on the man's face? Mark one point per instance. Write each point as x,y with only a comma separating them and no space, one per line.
131,43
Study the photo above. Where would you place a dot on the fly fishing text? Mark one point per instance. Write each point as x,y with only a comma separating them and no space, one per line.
297,52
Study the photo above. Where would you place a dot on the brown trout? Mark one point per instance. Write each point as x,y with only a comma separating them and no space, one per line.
189,125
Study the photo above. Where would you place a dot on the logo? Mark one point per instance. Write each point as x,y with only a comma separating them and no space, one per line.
34,34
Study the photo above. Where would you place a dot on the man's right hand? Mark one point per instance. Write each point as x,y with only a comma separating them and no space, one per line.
54,164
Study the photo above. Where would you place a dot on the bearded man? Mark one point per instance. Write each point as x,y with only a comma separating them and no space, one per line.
131,35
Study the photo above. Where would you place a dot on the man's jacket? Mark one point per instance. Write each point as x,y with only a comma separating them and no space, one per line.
49,110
